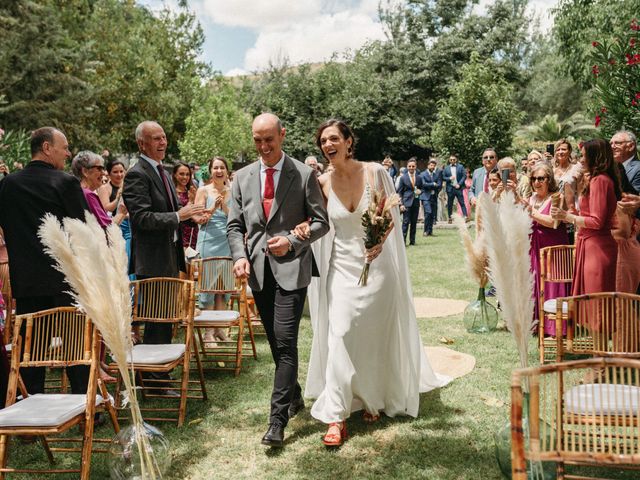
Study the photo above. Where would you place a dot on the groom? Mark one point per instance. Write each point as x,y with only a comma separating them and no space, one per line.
269,198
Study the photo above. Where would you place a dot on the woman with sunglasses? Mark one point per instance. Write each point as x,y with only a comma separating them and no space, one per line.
544,234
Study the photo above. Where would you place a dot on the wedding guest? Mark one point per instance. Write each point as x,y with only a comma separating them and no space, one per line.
544,233
454,176
212,238
186,191
494,180
625,232
377,365
507,163
596,250
312,162
111,192
390,167
624,146
41,187
524,187
480,181
410,189
431,184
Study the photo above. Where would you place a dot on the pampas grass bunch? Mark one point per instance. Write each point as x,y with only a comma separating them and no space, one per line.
506,228
95,266
475,252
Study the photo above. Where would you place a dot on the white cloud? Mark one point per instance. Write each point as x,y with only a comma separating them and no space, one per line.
260,14
236,72
313,40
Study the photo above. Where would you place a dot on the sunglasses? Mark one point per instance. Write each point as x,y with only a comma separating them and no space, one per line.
492,157
538,179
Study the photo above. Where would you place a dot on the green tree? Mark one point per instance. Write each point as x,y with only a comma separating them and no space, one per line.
578,23
217,125
550,129
15,146
480,112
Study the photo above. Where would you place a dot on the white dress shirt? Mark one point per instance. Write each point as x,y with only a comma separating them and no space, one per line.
276,175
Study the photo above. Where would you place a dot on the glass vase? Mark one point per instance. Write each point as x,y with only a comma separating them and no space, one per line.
125,453
480,316
502,439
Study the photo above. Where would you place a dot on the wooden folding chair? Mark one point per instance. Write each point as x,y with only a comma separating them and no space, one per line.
51,414
557,417
253,316
601,324
170,301
556,265
214,275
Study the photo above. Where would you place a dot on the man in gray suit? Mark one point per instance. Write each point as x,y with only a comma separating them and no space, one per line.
269,198
624,147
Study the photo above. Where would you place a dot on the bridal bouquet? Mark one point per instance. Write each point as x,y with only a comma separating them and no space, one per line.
376,221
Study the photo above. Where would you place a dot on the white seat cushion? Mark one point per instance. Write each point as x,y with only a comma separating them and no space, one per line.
44,410
550,306
217,316
156,354
603,399
56,342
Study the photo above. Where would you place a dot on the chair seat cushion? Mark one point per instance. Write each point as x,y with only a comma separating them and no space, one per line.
56,342
603,399
550,306
217,316
156,354
44,410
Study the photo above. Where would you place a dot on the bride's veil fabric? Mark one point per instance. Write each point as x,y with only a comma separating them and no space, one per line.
415,363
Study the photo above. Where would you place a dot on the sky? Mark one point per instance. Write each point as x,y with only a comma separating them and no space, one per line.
244,36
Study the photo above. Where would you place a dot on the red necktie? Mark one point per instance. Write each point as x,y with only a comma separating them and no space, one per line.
486,183
167,188
267,198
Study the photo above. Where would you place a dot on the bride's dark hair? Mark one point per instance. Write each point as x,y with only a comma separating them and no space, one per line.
345,131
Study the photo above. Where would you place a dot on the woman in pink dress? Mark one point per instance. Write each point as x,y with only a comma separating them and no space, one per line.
625,233
596,250
544,234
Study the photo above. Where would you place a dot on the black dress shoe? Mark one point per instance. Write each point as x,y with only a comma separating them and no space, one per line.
295,406
274,436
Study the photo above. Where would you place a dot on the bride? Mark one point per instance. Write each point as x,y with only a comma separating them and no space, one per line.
366,352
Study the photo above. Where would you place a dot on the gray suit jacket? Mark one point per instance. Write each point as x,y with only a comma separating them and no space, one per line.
297,198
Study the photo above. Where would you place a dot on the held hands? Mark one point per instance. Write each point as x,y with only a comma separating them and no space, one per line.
242,268
189,210
629,203
302,231
278,246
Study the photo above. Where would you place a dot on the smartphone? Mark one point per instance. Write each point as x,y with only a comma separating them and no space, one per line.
550,149
504,173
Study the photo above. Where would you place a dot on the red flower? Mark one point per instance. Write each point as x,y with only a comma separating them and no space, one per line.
634,25
603,110
598,120
594,44
634,102
629,59
632,42
612,61
638,95
595,70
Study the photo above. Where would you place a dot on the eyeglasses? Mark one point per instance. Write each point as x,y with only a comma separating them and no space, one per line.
538,179
619,143
99,167
492,157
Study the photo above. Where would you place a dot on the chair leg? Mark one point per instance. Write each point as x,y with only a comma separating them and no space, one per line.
184,387
109,407
251,336
4,448
45,445
87,446
239,348
200,370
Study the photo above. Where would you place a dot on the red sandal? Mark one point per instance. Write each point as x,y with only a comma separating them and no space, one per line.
335,439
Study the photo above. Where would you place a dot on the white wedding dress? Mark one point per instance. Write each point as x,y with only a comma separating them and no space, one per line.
366,350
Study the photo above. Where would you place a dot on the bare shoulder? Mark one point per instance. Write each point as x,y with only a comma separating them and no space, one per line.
324,179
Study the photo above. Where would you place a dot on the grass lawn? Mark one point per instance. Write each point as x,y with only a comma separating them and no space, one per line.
451,439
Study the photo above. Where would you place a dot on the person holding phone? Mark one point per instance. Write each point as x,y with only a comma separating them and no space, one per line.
480,178
508,179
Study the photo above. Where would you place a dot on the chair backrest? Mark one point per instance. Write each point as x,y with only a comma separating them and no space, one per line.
557,416
557,263
601,324
163,299
215,275
57,337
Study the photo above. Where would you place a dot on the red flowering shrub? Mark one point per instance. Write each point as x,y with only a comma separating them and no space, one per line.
616,79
